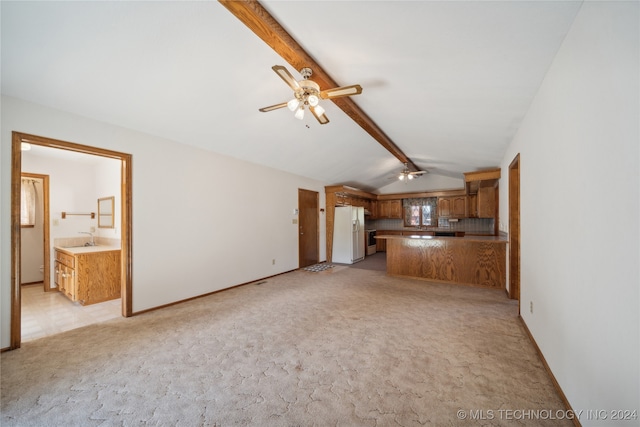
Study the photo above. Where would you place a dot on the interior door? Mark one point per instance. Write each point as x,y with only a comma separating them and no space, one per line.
308,230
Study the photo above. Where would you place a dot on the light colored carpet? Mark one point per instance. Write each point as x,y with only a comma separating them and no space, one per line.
344,347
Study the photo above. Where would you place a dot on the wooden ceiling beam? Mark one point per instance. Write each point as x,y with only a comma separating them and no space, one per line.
252,14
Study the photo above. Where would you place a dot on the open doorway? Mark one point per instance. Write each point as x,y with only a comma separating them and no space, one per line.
125,232
34,230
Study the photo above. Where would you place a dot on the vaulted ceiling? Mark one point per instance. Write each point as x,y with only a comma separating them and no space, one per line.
448,82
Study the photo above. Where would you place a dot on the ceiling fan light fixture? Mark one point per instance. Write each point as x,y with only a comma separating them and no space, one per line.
293,104
313,100
306,92
401,177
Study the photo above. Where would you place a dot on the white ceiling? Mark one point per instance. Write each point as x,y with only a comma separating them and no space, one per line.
448,81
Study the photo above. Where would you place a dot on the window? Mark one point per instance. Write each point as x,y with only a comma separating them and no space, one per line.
28,203
420,212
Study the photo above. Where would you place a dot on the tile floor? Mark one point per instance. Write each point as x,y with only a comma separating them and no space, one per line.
49,313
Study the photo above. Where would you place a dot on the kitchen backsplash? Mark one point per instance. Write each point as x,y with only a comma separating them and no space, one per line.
469,225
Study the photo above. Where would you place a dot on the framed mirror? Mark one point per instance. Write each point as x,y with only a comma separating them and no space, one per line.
105,212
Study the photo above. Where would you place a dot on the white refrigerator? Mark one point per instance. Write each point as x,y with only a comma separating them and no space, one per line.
348,235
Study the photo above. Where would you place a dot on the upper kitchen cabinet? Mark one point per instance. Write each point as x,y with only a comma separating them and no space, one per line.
482,193
452,207
484,178
486,200
472,206
390,209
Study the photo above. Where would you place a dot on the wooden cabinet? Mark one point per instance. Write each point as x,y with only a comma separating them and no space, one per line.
452,207
65,274
482,188
381,244
373,209
88,277
483,204
472,206
343,199
390,209
444,207
486,202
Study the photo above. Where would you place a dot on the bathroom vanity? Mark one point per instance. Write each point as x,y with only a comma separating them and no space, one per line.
88,274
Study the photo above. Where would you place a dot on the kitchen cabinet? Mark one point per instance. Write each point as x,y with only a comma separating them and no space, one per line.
486,202
483,204
452,207
373,209
390,209
472,205
381,244
476,260
88,275
482,188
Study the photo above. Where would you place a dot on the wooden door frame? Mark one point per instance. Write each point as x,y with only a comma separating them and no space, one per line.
514,229
46,279
317,194
17,138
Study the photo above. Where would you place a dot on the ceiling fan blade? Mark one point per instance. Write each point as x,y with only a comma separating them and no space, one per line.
322,118
338,92
273,107
286,76
417,172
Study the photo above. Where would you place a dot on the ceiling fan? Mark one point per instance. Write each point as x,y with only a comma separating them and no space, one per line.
307,93
406,174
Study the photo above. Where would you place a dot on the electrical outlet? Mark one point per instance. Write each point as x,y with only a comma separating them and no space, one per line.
531,306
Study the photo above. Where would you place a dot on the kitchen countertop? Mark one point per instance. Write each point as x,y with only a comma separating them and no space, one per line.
467,238
433,229
75,250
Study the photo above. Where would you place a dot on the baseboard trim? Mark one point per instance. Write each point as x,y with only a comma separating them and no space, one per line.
257,282
39,282
556,385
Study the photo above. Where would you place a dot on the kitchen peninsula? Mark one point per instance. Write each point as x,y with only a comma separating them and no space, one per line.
470,260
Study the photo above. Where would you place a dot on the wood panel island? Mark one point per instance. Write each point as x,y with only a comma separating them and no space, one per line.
469,260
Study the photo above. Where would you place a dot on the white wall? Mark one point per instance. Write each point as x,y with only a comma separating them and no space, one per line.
108,183
201,221
579,167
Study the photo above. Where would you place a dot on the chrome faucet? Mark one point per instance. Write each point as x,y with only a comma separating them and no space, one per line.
92,243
